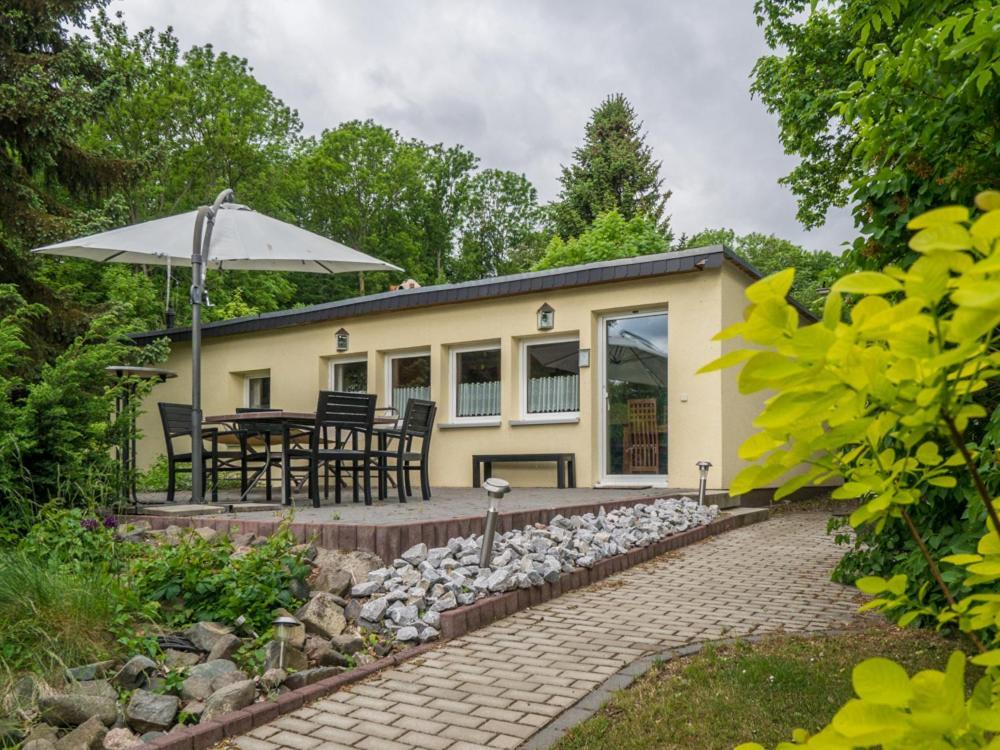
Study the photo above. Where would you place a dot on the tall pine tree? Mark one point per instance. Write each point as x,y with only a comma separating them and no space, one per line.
614,170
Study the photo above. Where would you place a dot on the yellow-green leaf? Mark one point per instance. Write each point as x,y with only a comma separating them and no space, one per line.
989,659
869,723
728,360
871,584
988,200
775,286
944,215
986,227
866,282
882,681
928,454
941,237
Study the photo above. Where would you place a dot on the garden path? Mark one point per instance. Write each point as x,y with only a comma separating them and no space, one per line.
499,685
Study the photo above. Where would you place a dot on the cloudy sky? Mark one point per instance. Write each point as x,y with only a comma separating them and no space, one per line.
515,80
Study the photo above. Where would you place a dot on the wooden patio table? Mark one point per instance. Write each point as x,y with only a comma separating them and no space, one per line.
286,419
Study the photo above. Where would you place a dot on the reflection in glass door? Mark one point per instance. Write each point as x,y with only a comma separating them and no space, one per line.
635,395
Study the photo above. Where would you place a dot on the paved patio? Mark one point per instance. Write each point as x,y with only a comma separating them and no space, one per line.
499,686
446,502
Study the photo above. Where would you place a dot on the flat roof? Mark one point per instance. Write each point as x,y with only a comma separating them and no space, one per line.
626,269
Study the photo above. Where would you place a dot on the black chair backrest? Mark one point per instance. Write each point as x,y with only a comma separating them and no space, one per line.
176,419
418,421
346,411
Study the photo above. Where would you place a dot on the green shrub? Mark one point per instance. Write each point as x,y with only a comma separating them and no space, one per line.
200,579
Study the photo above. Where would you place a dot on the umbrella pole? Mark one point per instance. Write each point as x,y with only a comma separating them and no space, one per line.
197,278
199,257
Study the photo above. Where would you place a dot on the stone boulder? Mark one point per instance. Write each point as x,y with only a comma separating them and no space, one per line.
148,712
272,678
323,616
174,659
120,738
87,736
347,643
99,688
204,635
310,676
322,654
212,669
39,745
230,698
196,688
73,709
330,580
95,671
135,673
24,694
357,563
225,648
42,732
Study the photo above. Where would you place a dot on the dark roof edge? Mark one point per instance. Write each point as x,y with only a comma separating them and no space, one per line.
643,266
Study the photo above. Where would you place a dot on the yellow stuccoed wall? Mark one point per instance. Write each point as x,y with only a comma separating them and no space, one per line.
706,417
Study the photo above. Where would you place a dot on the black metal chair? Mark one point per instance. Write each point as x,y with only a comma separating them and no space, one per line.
176,419
418,424
341,438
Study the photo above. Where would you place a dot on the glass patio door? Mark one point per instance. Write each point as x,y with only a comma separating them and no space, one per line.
635,398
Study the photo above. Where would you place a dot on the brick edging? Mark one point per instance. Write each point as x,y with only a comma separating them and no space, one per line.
454,623
390,540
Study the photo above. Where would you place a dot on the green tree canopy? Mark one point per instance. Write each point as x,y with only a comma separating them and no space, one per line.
891,107
499,227
610,237
814,271
614,170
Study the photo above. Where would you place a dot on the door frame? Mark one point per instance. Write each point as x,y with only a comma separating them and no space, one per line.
622,480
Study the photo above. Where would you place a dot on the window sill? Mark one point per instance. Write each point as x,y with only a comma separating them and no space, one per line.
532,422
477,423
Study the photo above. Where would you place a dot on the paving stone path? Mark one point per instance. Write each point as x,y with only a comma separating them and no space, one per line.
499,685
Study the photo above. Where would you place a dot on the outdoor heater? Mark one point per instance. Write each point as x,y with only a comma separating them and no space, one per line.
495,489
284,627
703,467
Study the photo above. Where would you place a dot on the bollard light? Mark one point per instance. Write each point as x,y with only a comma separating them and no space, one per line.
495,489
703,467
284,627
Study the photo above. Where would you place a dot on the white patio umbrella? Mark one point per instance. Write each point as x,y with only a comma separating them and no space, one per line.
227,235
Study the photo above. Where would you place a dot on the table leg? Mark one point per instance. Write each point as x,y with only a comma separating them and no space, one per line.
475,473
571,468
286,498
487,470
561,473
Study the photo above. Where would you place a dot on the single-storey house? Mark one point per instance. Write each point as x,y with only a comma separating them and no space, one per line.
598,360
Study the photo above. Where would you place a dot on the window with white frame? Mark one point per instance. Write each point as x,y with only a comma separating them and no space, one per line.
257,390
550,378
409,377
475,383
349,375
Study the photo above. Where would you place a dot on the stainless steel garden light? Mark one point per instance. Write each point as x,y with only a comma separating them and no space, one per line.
703,467
495,489
284,627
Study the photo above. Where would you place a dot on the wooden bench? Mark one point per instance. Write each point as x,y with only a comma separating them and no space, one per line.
565,465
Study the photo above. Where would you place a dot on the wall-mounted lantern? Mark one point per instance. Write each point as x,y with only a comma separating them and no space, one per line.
546,317
343,340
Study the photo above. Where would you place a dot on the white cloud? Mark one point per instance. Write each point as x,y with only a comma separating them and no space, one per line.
515,80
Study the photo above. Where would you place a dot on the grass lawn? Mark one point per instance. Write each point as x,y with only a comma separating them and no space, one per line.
745,692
